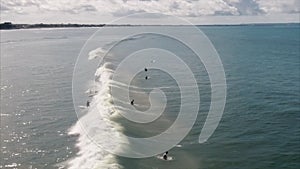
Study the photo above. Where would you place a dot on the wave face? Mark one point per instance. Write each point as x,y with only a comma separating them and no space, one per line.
97,123
103,125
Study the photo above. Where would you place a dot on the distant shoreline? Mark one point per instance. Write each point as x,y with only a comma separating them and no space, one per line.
9,25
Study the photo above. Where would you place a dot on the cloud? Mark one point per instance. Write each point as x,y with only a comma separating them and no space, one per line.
82,8
175,7
178,7
279,6
3,8
182,8
246,7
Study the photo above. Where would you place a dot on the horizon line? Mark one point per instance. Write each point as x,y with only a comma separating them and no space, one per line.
124,24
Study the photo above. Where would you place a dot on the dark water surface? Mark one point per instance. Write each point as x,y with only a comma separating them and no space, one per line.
260,126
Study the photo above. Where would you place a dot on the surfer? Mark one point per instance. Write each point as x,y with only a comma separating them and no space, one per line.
88,104
146,69
146,77
132,102
165,156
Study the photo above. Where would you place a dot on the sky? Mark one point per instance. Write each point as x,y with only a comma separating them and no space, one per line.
106,11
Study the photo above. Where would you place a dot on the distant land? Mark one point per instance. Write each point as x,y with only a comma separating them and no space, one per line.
9,25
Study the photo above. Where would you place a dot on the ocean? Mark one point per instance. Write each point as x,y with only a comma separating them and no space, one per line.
48,75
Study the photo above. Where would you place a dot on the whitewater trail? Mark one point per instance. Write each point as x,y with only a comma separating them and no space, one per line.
95,129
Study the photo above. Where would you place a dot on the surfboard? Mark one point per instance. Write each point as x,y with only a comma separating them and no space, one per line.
82,107
169,158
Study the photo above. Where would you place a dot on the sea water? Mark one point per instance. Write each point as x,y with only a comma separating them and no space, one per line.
40,129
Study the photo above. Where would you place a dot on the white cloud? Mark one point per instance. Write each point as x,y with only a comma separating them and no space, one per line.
279,6
117,8
175,7
233,1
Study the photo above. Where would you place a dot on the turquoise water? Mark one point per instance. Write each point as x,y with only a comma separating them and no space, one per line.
260,126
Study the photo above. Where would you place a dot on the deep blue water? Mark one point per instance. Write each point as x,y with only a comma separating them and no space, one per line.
260,126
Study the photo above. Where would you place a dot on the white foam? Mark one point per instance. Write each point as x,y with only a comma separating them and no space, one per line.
168,158
4,115
96,131
3,88
99,52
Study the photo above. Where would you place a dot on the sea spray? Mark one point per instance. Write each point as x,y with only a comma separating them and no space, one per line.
95,129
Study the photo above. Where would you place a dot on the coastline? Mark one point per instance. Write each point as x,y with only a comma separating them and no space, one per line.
12,26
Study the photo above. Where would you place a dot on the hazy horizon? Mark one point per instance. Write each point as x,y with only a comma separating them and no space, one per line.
128,24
